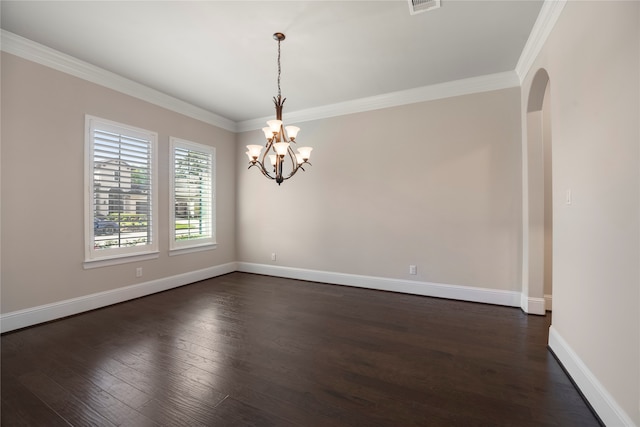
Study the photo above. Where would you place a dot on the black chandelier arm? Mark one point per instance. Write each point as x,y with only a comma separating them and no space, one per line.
292,157
266,150
261,168
293,172
302,164
258,165
279,178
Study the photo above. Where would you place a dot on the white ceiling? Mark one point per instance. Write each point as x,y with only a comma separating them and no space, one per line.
220,55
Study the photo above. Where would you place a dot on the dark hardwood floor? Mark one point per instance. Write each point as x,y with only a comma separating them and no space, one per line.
250,350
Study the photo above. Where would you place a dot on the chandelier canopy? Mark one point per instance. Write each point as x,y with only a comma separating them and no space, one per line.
284,161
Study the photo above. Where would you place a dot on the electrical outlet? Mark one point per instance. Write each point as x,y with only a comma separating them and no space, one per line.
413,270
273,256
139,272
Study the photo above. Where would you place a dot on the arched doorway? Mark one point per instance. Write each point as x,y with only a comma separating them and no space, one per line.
537,201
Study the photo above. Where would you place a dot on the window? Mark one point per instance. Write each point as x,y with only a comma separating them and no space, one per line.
121,205
192,187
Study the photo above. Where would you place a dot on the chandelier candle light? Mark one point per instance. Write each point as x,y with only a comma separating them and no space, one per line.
279,140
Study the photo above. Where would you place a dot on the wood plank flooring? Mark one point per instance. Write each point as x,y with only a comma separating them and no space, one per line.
250,350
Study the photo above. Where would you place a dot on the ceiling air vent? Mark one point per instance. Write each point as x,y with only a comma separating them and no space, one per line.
419,6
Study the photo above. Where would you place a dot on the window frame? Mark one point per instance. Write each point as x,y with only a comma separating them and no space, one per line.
182,246
117,255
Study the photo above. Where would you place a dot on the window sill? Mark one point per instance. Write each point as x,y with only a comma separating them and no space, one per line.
122,259
192,249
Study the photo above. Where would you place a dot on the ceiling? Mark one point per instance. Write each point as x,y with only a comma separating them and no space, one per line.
221,56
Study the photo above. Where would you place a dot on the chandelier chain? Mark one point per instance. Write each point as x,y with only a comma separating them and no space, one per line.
279,69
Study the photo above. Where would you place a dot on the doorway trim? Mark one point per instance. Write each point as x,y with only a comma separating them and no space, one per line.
534,168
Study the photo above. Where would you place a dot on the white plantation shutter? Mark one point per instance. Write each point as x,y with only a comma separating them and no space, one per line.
192,179
121,169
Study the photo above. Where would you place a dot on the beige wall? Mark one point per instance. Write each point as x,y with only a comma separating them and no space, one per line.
435,184
594,96
42,186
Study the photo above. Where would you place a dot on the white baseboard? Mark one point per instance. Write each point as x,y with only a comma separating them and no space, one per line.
601,401
532,305
456,292
548,299
44,313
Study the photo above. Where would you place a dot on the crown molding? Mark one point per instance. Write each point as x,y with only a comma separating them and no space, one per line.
468,86
38,53
547,18
35,52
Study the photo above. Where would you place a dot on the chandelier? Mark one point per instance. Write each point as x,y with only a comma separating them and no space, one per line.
284,161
